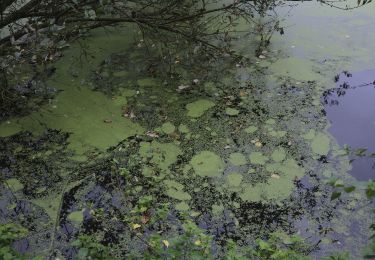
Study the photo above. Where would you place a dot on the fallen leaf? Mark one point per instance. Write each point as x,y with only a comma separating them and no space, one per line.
166,243
276,176
152,134
135,226
197,242
258,144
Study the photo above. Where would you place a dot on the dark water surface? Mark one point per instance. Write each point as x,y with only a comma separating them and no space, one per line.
350,109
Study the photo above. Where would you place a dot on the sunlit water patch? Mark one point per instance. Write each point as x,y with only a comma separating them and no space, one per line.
350,108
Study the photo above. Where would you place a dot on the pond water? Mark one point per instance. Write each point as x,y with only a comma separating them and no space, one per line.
245,152
350,109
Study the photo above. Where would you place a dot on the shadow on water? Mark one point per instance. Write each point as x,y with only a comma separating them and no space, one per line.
350,108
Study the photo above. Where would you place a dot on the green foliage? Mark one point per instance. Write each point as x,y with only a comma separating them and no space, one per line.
89,248
280,246
339,188
8,234
192,244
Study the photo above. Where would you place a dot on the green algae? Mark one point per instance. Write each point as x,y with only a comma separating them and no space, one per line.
277,134
148,82
309,135
197,108
258,158
182,206
162,155
9,128
320,144
208,164
217,209
237,159
77,109
175,190
183,128
49,204
275,189
231,111
76,216
168,128
278,155
234,179
251,129
14,184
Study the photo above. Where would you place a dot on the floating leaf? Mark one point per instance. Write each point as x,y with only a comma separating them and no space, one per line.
349,189
335,195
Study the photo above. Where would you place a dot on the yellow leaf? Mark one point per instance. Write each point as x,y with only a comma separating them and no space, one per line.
135,226
197,243
166,243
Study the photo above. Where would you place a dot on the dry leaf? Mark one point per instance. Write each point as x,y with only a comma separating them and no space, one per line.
276,176
197,242
135,226
166,243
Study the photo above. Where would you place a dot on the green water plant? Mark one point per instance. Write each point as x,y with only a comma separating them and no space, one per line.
9,233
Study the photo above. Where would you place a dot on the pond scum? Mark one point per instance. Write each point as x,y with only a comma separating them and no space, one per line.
122,164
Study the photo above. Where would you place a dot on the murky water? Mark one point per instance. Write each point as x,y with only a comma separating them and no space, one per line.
245,152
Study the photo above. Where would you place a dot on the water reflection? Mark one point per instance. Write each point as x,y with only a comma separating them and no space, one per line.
350,107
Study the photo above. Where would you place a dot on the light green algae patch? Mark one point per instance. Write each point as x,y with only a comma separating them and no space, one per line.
162,155
168,128
275,189
175,190
258,158
217,209
197,108
14,184
183,129
234,179
278,134
320,144
296,68
251,129
49,204
309,135
278,155
94,120
76,216
237,159
182,206
147,82
231,111
208,164
9,128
